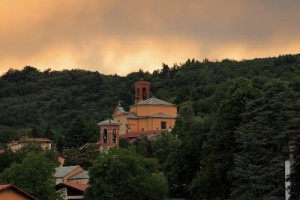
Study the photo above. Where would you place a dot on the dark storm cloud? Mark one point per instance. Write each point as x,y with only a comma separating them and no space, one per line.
121,36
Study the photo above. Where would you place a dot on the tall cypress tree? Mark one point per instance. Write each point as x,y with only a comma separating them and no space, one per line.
49,133
34,132
76,136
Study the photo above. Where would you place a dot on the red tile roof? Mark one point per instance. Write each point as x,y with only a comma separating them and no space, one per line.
79,186
11,186
35,140
29,140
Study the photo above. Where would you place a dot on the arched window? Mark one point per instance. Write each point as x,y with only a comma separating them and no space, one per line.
105,135
144,94
138,94
114,136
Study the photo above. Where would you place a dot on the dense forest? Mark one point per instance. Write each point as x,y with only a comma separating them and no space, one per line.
236,119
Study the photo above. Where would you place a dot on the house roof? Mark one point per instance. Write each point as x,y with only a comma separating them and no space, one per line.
61,172
108,122
78,186
162,115
82,175
121,109
35,140
29,140
11,186
154,101
132,116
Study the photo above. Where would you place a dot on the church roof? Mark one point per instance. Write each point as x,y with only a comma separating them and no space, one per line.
154,101
121,109
132,116
108,122
162,115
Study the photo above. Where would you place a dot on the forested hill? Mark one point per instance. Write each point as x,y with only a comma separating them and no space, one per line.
32,98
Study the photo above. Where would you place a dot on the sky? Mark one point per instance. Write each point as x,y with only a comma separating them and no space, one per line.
122,36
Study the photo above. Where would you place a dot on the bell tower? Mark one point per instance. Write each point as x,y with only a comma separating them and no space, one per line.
142,90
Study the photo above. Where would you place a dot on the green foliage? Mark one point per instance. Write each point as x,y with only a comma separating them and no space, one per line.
49,133
123,174
34,175
124,143
212,181
262,141
294,177
76,136
163,146
213,104
81,156
35,133
247,196
186,158
294,131
142,146
59,144
58,97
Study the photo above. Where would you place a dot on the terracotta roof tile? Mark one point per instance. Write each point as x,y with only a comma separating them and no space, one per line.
79,186
154,101
109,122
11,186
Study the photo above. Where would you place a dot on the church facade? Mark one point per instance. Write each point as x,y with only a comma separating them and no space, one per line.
147,116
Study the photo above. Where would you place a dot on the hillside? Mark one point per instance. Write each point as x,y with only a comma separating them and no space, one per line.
32,98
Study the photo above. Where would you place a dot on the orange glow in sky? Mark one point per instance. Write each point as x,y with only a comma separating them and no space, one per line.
115,36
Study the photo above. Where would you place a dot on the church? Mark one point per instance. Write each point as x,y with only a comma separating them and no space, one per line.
146,117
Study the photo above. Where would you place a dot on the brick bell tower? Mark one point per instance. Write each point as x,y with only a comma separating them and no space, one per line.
142,90
109,134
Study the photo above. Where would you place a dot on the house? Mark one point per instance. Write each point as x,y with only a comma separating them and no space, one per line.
71,181
11,192
74,174
147,116
17,145
71,190
82,177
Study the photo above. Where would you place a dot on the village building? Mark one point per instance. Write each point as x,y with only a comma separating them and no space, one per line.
71,191
71,181
146,117
17,145
74,174
11,192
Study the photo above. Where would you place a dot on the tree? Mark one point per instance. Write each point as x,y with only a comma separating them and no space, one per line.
123,174
142,146
83,156
49,133
163,147
294,177
262,143
59,143
185,159
76,136
34,132
34,175
213,181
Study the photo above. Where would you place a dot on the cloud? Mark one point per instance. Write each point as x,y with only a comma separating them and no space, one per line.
114,36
